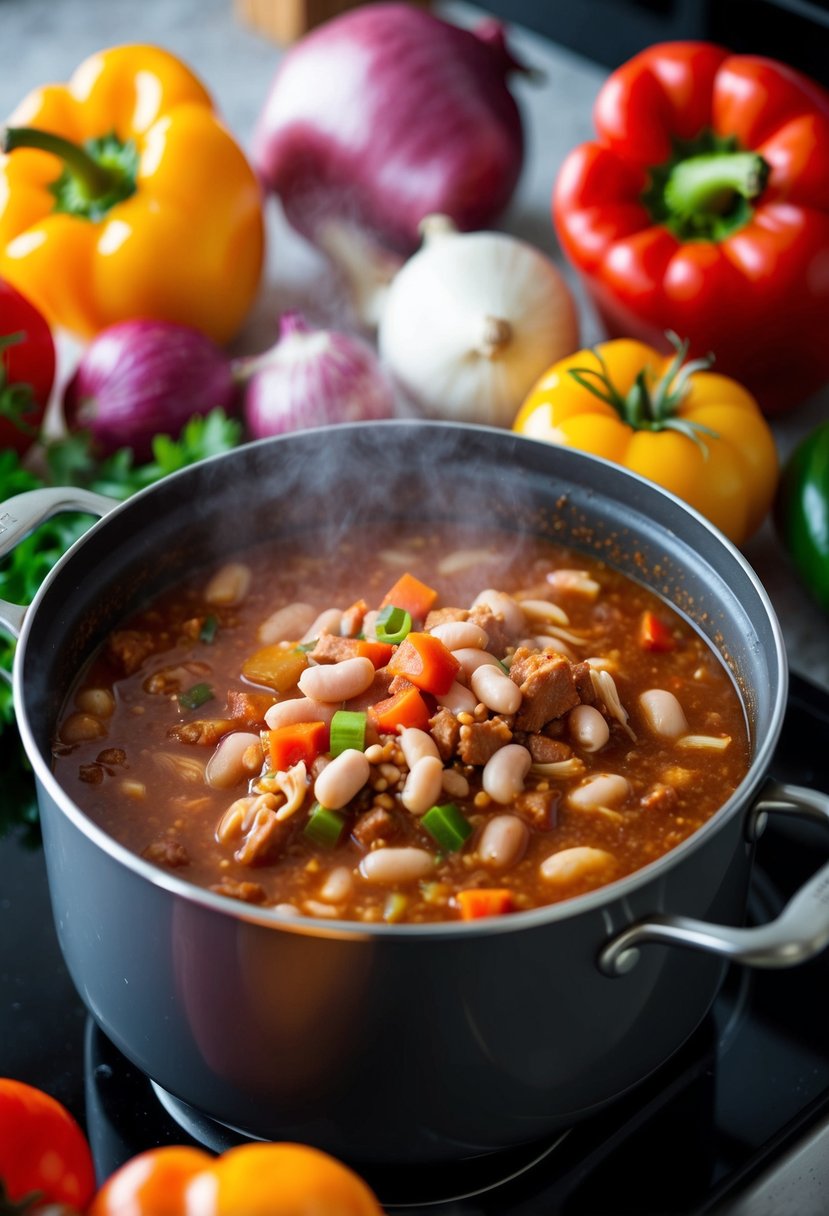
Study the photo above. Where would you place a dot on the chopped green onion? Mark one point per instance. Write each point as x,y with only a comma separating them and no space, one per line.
348,730
392,625
195,696
324,827
447,826
209,629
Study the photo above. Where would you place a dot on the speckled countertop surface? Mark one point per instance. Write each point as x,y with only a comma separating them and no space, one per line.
45,39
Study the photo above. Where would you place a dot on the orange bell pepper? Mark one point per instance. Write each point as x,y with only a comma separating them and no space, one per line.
477,902
122,195
402,709
287,745
412,595
425,661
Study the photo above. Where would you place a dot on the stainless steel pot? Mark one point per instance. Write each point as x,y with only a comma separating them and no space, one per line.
403,1043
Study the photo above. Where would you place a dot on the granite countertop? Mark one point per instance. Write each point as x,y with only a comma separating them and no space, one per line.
45,40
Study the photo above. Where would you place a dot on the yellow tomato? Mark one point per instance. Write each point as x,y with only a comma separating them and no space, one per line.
694,432
252,1180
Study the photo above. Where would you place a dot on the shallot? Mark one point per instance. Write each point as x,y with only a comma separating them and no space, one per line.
386,114
471,321
142,378
312,377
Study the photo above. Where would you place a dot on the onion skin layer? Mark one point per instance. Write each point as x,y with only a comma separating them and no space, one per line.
385,115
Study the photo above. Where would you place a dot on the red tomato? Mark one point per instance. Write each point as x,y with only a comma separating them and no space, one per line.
42,1148
27,368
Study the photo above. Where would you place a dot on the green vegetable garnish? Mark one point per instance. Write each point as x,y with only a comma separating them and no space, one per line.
198,695
348,730
447,826
324,827
392,625
209,629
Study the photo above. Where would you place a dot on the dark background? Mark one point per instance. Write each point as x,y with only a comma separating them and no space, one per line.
610,31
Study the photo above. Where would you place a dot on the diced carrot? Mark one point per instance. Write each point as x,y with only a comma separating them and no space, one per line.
654,634
248,707
275,667
287,745
405,708
412,595
425,661
476,902
378,652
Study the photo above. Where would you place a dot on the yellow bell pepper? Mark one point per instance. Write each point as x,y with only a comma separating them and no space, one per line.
123,195
698,434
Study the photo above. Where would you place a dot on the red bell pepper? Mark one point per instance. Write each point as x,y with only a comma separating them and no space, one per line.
703,208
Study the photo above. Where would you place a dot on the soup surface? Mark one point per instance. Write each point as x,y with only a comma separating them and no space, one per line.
433,725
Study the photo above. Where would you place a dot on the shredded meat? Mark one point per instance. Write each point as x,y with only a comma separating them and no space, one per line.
206,731
399,684
376,824
167,852
253,823
333,649
445,730
248,707
659,797
539,808
481,740
548,687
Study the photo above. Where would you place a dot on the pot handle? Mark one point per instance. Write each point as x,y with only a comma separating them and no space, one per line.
22,514
799,932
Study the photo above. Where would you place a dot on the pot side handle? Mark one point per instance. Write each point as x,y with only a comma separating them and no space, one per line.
799,933
22,514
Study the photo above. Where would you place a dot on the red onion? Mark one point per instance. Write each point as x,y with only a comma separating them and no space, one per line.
312,377
387,114
142,378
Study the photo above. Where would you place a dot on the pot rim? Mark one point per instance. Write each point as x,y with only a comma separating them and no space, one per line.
614,892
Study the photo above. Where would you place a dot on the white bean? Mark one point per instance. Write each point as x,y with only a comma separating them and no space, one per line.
416,743
576,862
470,658
226,766
458,699
454,783
229,585
299,709
602,790
337,886
79,727
497,691
663,713
424,785
337,681
588,728
340,780
503,841
459,635
327,622
96,701
286,624
505,606
391,866
504,772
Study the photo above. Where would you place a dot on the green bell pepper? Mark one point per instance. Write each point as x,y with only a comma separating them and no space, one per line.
802,512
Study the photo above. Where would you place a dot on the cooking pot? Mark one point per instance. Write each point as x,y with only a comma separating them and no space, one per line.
393,1043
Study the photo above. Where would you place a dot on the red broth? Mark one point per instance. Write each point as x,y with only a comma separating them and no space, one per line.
558,728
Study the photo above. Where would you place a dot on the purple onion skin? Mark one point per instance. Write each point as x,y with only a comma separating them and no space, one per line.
313,378
387,114
142,378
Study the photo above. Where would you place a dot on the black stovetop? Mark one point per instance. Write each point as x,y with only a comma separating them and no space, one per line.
734,1123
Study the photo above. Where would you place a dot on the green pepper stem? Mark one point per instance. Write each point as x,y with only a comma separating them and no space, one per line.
707,185
92,178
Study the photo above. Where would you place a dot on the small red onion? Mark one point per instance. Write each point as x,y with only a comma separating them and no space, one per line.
387,114
312,377
142,378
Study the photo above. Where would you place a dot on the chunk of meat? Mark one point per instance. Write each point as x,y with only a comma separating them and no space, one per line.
539,808
167,852
445,729
481,740
494,627
249,708
545,750
548,687
205,731
331,648
659,798
250,892
376,824
353,618
443,616
130,647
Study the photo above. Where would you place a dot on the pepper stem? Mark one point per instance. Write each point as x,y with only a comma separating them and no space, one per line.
95,176
708,185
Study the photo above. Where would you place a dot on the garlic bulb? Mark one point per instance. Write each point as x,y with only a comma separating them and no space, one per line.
471,321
